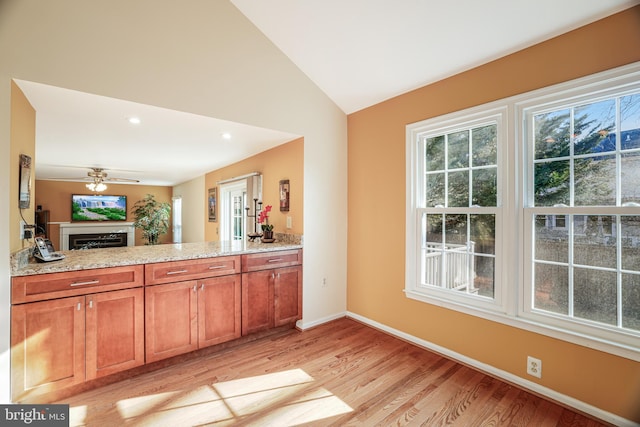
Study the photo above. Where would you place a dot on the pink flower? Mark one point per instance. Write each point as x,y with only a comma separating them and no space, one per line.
263,219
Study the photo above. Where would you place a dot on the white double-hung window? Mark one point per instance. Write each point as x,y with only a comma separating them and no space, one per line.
582,172
455,191
527,211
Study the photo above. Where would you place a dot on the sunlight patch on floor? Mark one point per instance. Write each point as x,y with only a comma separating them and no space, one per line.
283,398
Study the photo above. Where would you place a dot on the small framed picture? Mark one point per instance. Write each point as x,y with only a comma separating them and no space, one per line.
284,195
213,204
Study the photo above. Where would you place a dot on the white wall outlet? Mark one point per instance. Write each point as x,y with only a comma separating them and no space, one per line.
288,222
534,367
22,224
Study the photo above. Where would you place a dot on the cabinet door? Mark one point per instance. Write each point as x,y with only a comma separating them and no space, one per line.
257,301
47,340
287,299
219,303
171,312
115,331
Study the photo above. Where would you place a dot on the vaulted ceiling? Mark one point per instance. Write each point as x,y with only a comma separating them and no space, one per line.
358,52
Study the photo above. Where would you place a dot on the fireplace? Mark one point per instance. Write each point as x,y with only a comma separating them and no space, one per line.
96,235
99,240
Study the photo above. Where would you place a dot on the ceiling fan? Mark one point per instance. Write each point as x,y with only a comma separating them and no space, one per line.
98,177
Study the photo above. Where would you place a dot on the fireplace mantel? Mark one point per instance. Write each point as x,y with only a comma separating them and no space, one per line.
70,228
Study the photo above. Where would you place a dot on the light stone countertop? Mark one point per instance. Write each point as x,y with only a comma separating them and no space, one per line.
113,257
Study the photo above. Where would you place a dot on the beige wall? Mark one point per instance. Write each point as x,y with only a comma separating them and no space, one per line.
23,137
377,216
193,209
282,162
55,196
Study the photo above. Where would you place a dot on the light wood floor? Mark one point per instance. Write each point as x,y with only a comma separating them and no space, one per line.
342,373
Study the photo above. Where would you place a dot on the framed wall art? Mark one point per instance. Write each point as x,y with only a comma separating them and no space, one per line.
213,204
284,195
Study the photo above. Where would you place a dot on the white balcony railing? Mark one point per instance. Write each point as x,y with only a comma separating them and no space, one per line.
456,261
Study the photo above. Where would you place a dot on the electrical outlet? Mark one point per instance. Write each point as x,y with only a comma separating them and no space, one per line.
288,222
22,224
534,367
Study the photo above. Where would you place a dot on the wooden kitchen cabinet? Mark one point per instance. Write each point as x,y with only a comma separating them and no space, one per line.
47,346
185,316
171,316
114,331
63,342
271,290
219,307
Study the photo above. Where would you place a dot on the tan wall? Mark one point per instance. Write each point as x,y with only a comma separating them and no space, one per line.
55,196
23,141
282,162
376,170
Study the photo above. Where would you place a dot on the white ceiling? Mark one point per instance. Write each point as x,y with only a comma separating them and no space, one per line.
359,52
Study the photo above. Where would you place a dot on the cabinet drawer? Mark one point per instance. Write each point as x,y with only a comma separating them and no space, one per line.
176,271
72,283
268,260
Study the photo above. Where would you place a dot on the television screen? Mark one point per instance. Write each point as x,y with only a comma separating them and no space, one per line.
98,207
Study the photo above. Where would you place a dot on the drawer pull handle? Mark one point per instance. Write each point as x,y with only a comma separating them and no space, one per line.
90,282
216,267
176,272
275,260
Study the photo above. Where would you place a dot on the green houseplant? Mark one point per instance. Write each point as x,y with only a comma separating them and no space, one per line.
152,217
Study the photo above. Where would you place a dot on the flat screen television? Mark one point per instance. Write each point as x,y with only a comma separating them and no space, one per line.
98,207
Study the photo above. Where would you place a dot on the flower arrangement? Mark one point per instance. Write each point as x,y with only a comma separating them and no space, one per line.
263,219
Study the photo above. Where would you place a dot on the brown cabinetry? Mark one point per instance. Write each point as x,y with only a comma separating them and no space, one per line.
271,290
186,315
62,342
75,326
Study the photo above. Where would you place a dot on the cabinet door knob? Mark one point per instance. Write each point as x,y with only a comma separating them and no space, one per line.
202,287
195,287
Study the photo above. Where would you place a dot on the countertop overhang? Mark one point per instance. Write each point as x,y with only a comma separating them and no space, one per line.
77,260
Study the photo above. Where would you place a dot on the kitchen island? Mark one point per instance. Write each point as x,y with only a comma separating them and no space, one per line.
129,255
100,313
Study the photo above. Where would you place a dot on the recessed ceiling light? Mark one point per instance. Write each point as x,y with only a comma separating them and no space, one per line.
134,120
226,135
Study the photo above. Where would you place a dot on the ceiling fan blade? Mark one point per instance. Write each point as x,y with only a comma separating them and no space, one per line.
120,180
77,178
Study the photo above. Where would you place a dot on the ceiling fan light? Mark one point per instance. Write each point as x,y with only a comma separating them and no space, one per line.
93,186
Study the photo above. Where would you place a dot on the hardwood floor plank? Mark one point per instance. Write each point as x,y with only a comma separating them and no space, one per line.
342,373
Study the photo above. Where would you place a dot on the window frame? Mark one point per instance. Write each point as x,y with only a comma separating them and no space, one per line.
458,121
593,91
513,262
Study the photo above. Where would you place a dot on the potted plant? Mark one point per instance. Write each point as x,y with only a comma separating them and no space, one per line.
152,217
267,229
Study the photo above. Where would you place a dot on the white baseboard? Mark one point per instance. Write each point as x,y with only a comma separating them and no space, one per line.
498,373
302,325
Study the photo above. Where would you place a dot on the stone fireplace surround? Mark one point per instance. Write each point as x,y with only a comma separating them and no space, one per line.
73,228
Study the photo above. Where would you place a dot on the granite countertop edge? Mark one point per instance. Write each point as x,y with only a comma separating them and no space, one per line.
133,255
